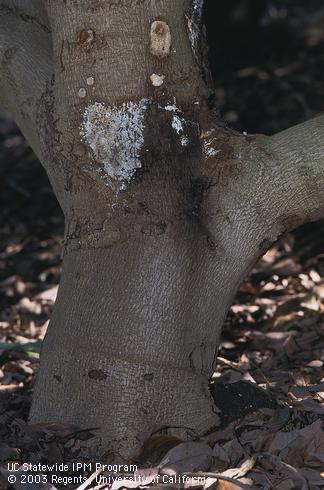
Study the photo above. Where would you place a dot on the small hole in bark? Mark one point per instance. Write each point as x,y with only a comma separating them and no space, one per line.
148,377
142,205
85,37
211,244
159,29
58,377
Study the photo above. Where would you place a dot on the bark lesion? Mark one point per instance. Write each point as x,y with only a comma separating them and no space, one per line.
196,195
170,133
181,177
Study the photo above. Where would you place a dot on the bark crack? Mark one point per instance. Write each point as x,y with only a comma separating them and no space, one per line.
147,366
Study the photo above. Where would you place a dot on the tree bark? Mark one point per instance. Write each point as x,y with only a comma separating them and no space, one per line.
26,62
166,212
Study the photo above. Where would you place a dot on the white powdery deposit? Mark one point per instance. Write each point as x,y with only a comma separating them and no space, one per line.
177,123
208,143
115,136
209,151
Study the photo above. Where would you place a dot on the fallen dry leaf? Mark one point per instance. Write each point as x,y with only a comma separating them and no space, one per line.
186,457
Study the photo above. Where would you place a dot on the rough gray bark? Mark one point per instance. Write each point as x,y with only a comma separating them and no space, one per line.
166,210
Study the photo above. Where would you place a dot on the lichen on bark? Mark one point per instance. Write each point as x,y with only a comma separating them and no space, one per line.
114,136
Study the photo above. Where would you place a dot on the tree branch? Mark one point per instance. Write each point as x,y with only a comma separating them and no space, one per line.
297,174
260,187
26,62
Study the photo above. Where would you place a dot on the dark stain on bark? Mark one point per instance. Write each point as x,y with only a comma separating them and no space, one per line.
154,229
51,145
210,243
58,378
97,374
174,173
196,192
162,141
8,56
142,207
160,138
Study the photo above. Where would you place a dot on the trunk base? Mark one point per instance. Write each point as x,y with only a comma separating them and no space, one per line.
123,401
131,343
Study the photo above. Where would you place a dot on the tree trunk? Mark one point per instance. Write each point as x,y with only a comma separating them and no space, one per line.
166,210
